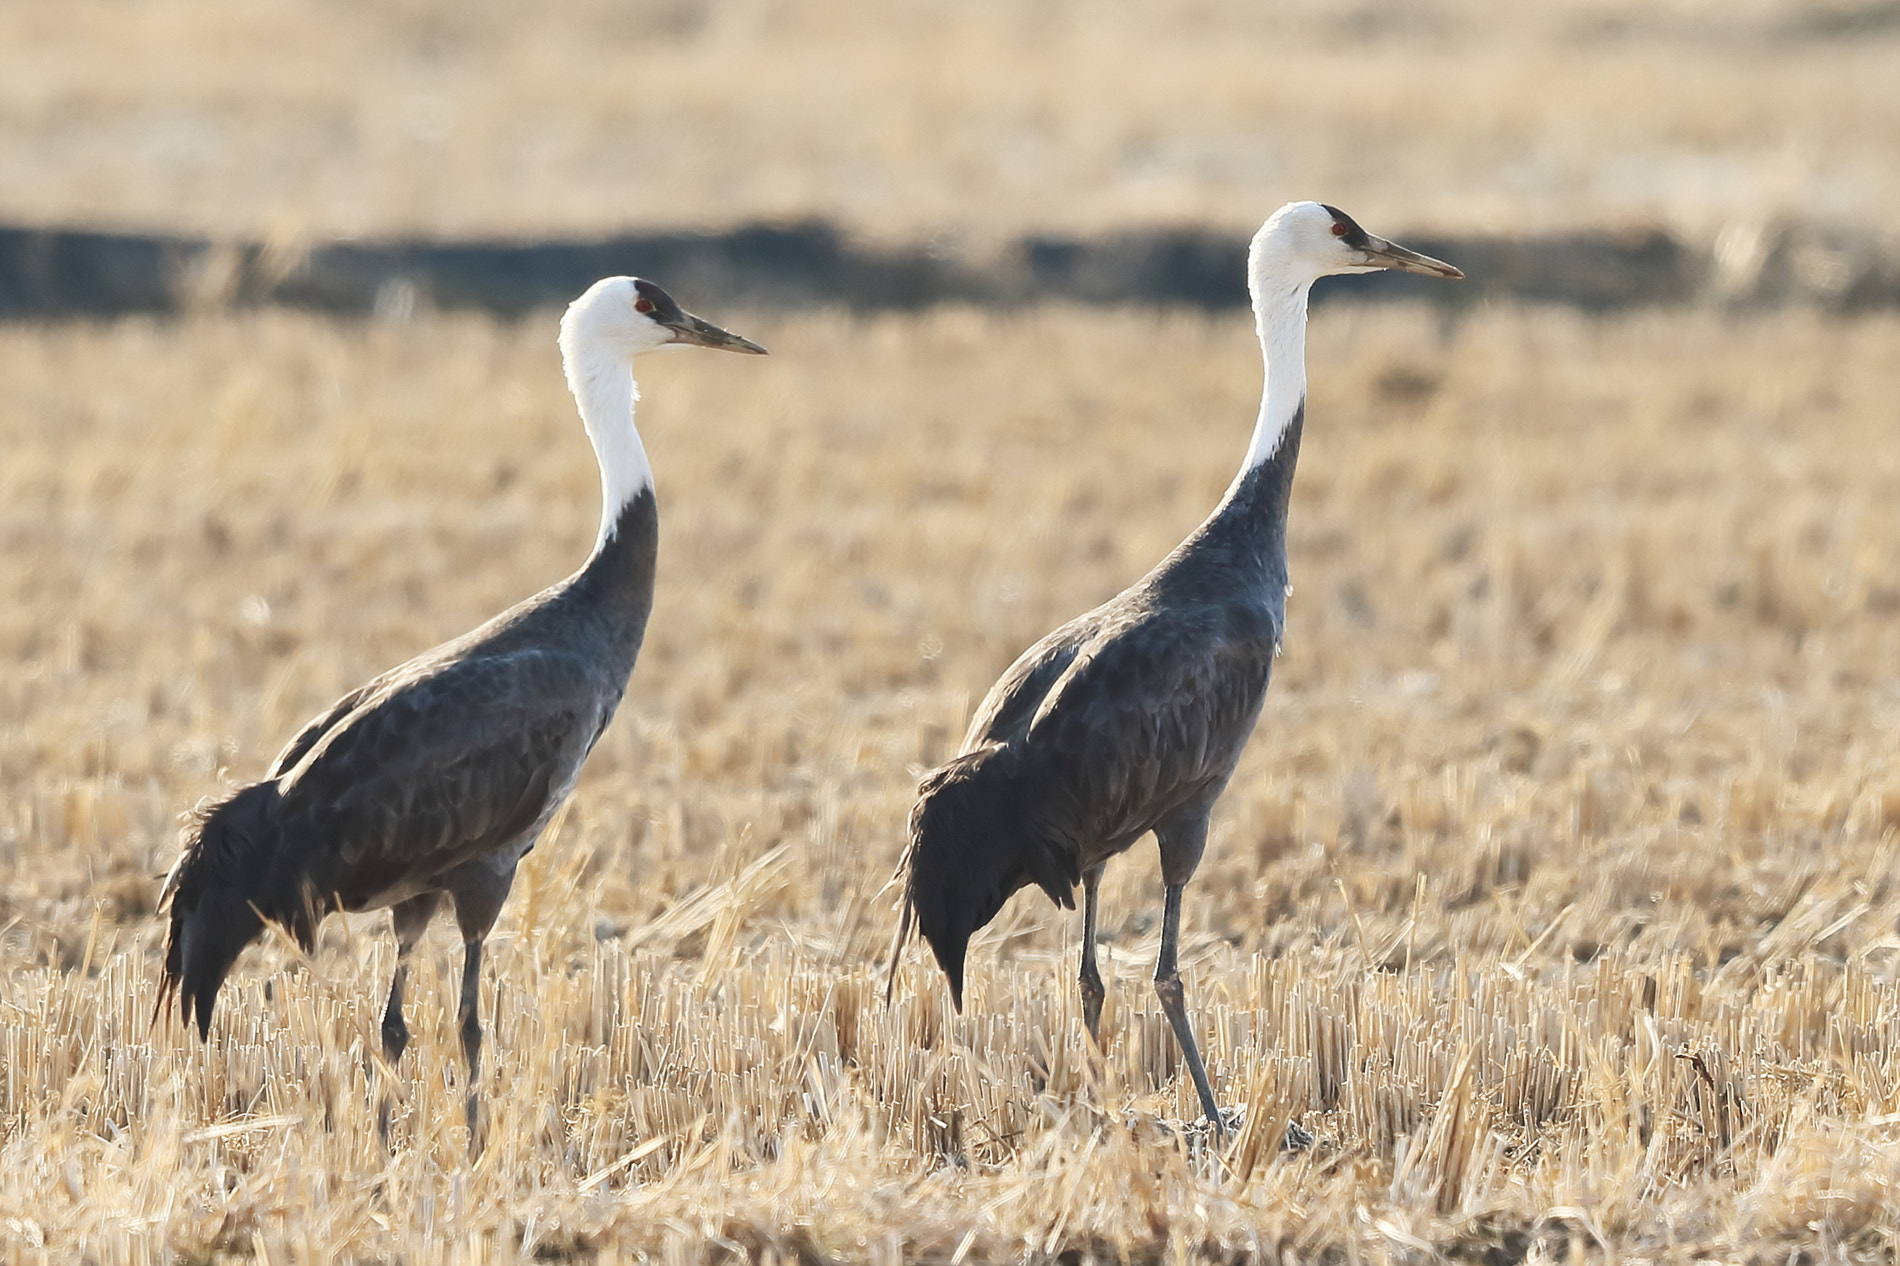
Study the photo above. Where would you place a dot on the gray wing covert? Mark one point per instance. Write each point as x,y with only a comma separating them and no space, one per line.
1004,714
307,738
1144,720
381,686
439,769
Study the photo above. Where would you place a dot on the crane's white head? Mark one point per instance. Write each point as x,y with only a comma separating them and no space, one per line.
603,330
621,317
1304,241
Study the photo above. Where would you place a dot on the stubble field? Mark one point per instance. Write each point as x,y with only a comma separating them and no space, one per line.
1554,892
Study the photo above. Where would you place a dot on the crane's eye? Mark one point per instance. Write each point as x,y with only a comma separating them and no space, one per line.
1339,230
643,305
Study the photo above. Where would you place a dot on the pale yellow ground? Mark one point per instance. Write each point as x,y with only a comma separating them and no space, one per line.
305,119
1554,892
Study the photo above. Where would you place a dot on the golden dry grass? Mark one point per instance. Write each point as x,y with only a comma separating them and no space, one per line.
321,117
1555,891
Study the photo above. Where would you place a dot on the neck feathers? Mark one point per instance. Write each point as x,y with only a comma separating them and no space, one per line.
1280,319
619,573
603,386
1249,527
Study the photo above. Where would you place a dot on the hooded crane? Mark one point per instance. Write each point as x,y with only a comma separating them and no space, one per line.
1130,718
437,776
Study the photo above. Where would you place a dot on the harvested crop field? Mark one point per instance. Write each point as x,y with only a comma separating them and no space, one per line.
1555,892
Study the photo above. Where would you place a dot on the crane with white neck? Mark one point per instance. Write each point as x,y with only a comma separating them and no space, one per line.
436,777
1130,719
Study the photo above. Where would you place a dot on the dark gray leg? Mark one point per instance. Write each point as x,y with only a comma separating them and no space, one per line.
1174,1005
1091,979
411,920
1182,839
478,892
470,1018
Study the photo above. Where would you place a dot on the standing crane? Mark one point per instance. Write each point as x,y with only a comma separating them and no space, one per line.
436,777
1130,719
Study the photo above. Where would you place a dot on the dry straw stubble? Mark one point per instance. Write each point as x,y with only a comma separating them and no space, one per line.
1554,891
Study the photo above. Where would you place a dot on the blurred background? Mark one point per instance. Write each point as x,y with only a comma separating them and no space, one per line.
951,129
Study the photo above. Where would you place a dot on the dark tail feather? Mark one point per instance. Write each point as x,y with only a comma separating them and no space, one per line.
217,896
907,914
971,849
205,941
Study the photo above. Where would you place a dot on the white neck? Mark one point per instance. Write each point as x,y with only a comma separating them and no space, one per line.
1280,319
603,386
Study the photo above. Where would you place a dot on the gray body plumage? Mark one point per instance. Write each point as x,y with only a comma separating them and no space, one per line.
1126,720
434,778
1132,718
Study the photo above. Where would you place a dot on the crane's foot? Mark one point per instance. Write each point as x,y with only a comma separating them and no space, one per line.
1218,1132
1092,996
395,1037
477,1126
388,1088
391,1097
1296,1139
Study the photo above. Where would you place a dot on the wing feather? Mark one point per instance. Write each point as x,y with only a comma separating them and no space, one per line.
1149,715
438,767
1005,713
318,726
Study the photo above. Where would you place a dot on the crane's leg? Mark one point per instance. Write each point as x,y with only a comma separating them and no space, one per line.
1090,978
1174,1005
478,891
1182,839
411,920
469,1015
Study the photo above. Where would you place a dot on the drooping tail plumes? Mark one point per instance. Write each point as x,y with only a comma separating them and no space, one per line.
227,882
972,845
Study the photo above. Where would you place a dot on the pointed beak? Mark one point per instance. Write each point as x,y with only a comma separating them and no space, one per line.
690,329
1383,254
